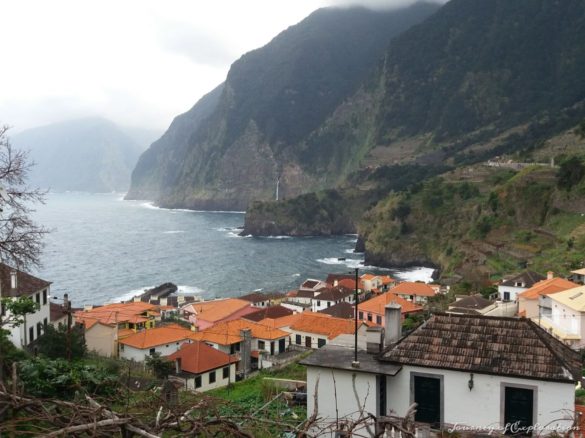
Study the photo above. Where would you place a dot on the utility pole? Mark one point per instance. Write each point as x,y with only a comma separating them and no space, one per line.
356,364
67,305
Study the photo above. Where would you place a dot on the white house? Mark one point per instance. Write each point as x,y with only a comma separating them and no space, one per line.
15,284
162,340
467,371
566,319
330,297
202,367
509,289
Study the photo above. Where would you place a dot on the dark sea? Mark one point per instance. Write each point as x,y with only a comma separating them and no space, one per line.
103,249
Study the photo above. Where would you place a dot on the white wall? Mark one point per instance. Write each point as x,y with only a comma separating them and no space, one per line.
480,407
330,381
266,349
17,334
137,354
514,291
314,338
219,380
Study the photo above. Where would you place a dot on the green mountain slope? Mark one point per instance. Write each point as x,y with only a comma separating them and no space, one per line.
272,100
92,155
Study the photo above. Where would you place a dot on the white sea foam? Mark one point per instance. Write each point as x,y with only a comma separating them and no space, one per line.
129,295
416,274
173,232
189,290
296,275
276,237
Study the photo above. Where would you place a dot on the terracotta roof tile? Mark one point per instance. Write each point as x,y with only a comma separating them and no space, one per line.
116,313
413,288
547,287
377,304
340,310
216,310
198,357
227,333
322,324
283,321
26,284
269,312
157,336
489,345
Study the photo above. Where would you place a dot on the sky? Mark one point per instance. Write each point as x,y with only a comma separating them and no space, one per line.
136,62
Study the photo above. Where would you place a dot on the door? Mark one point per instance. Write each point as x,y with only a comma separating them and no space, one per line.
427,396
308,341
518,409
272,348
281,345
506,296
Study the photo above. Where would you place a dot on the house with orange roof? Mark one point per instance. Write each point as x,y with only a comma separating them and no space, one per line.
331,296
373,310
163,340
376,283
314,330
232,337
201,367
416,292
104,324
205,314
535,302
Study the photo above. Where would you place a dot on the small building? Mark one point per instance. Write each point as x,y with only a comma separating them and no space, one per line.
268,312
509,289
206,314
416,292
464,372
471,305
578,276
15,284
343,310
315,330
262,300
567,318
373,310
201,367
535,302
377,283
331,296
162,340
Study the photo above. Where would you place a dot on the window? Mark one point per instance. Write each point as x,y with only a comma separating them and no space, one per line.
45,322
318,303
152,351
121,347
378,319
226,372
212,377
31,334
328,303
198,382
261,345
370,317
38,298
45,296
39,329
361,315
298,340
321,342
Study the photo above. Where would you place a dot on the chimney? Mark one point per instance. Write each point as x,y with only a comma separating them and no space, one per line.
178,365
550,275
374,340
246,351
13,280
393,323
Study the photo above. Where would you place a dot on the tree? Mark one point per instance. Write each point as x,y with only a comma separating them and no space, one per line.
20,237
570,173
160,366
61,343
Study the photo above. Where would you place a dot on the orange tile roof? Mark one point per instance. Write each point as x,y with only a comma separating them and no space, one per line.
368,276
323,324
413,288
228,332
157,336
115,313
386,279
216,310
547,287
350,283
284,321
377,304
198,357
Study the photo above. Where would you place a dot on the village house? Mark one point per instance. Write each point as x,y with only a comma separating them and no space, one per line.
535,302
206,314
15,284
418,293
341,310
105,325
331,296
268,312
262,300
315,330
377,283
466,371
201,367
509,289
163,340
578,276
373,310
471,305
567,316
232,337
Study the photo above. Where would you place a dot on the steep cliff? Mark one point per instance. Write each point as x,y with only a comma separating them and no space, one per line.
273,99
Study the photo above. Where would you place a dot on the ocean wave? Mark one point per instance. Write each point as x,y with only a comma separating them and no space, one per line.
173,232
275,237
350,263
237,234
189,290
296,275
416,274
128,295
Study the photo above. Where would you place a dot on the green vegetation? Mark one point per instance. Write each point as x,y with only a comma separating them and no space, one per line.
58,343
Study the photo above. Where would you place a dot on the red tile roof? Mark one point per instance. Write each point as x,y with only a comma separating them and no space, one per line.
547,287
198,357
377,304
228,332
322,324
157,336
413,288
26,284
216,310
116,313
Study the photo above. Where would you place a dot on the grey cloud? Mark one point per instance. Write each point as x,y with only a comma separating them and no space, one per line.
199,46
379,4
